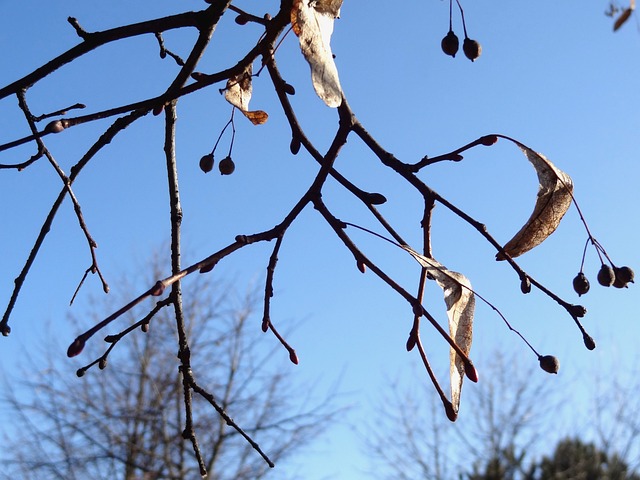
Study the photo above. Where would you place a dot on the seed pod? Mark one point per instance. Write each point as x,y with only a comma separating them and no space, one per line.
471,49
549,363
606,275
450,44
226,166
206,163
581,284
624,275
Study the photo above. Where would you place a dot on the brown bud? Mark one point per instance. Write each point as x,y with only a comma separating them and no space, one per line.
549,363
488,140
6,330
80,372
75,348
376,198
525,285
589,342
157,110
242,19
448,408
471,372
55,126
362,266
294,146
289,89
103,363
293,357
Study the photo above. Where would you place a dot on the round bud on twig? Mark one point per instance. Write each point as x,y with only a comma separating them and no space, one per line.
294,146
55,126
242,19
289,89
489,140
549,363
6,330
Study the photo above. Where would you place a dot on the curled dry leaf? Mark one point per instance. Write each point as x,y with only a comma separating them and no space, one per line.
312,21
554,199
238,93
460,301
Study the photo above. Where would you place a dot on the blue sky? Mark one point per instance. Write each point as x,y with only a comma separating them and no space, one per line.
552,75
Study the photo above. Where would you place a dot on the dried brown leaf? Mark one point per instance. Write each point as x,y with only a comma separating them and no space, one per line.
312,22
460,301
238,93
257,117
239,89
553,201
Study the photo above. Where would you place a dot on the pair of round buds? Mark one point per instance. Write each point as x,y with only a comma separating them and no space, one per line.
450,44
618,277
226,165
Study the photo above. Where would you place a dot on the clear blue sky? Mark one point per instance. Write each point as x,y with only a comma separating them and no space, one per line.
552,74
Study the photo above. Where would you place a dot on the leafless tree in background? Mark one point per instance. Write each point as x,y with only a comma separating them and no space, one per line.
507,416
127,421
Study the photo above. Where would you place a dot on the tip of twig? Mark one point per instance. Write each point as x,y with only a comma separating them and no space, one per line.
75,348
471,372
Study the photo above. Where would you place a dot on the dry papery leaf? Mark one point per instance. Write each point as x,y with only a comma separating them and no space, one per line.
238,93
460,301
553,201
312,22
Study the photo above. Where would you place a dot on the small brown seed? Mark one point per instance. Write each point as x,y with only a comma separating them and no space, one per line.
549,363
226,166
450,44
606,275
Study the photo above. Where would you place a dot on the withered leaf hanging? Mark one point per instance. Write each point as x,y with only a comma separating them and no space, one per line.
553,201
312,22
460,301
238,93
